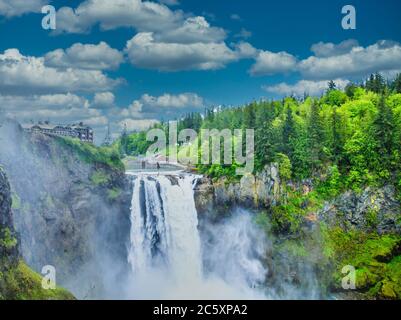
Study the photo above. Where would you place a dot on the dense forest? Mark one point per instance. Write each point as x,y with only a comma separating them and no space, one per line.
352,136
346,143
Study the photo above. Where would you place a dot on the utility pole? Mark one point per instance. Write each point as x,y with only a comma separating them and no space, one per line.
107,140
124,137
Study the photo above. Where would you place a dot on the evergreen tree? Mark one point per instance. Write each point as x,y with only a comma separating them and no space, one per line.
124,141
376,83
383,132
288,133
209,114
396,85
265,142
300,160
249,116
350,89
332,85
315,137
337,142
380,84
370,82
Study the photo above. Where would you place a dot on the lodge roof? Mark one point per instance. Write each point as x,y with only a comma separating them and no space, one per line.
54,126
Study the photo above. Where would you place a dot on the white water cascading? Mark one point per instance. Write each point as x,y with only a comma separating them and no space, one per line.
165,252
164,227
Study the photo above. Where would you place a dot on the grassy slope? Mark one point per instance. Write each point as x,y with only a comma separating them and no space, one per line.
376,258
92,154
21,283
17,280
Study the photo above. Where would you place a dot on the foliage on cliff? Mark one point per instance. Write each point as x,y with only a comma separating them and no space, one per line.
376,259
64,193
17,280
356,132
345,140
93,154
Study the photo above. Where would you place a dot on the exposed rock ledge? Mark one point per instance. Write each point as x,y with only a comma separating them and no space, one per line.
17,280
374,209
260,190
7,251
70,211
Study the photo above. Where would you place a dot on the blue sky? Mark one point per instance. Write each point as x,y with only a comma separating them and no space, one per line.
156,60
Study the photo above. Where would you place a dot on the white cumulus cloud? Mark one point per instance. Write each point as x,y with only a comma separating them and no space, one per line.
313,88
163,106
35,102
329,49
383,56
192,30
269,63
166,39
183,100
137,124
57,108
23,75
145,52
104,100
11,8
85,56
141,15
244,34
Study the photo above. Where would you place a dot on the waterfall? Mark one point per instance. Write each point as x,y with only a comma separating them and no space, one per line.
167,257
164,222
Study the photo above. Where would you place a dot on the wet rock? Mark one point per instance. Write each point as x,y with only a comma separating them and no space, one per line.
204,195
372,210
255,191
8,238
72,209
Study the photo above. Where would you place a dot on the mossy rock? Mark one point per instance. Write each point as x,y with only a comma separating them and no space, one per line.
365,279
393,280
100,178
7,239
388,290
294,248
16,201
92,154
19,282
114,193
374,257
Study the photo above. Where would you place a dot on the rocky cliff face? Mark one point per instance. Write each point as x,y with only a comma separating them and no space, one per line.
256,191
71,211
375,209
8,245
217,200
362,230
17,280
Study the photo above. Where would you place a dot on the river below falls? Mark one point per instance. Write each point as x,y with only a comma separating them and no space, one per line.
171,258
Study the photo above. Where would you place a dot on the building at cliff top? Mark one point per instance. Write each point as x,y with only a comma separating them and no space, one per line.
79,131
